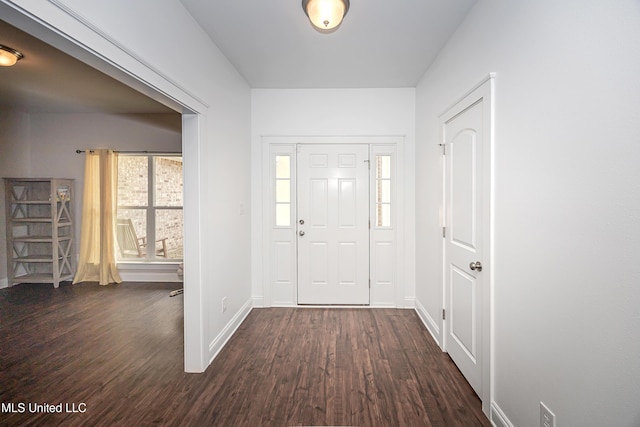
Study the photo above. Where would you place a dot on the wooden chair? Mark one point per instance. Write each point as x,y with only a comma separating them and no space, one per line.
132,246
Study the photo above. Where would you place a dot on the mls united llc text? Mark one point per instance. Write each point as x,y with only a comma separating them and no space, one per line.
48,408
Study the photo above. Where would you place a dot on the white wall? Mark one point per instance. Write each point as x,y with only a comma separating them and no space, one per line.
333,112
135,37
567,201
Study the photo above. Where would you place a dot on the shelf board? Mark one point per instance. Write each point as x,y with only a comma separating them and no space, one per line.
35,258
39,239
39,278
30,202
37,220
40,221
30,180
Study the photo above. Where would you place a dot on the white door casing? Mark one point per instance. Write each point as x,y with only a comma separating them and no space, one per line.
333,224
467,137
277,263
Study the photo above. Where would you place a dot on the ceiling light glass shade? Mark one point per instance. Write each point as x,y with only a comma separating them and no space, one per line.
325,14
9,56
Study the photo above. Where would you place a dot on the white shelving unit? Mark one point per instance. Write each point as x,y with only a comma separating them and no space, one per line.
40,230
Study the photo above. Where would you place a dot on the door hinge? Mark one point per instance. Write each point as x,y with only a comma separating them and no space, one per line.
444,149
369,283
444,232
368,162
443,314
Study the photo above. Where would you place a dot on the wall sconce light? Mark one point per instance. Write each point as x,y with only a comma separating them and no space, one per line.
325,15
9,56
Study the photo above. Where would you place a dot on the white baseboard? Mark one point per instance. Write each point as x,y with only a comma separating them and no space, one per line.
4,283
383,305
409,302
149,272
428,321
282,304
221,340
258,302
498,418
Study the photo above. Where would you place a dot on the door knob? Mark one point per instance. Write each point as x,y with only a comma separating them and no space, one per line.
301,233
301,222
476,266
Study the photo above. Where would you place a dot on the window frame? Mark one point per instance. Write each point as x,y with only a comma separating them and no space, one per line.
151,208
378,181
288,180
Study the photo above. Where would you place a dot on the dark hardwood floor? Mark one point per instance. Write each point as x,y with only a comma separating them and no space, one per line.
116,353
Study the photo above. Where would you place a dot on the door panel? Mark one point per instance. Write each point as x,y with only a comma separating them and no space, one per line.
347,203
319,268
463,242
463,327
333,224
319,199
348,263
463,188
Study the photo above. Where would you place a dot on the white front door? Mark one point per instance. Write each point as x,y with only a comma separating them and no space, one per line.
463,139
333,224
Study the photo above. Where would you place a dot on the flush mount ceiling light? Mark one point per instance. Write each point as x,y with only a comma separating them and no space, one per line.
9,56
325,15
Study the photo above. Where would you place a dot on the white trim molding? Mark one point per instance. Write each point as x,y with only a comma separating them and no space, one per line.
428,321
4,283
227,332
195,100
498,418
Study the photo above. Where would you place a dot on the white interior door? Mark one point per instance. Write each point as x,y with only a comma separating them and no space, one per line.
333,224
463,138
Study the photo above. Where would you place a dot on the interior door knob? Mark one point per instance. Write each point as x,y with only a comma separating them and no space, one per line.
301,233
476,266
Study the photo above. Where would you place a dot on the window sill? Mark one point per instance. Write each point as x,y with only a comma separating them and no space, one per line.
156,262
149,271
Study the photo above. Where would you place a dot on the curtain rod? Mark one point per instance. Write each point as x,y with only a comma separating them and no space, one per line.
135,152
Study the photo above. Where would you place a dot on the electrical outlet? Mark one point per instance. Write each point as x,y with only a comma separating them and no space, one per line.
547,418
224,304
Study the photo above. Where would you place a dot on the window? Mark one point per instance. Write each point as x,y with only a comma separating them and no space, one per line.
150,220
283,190
383,190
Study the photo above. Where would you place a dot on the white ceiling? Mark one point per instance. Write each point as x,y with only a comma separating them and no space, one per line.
380,43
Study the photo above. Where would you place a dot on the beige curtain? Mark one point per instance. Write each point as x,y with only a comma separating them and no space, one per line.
97,239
